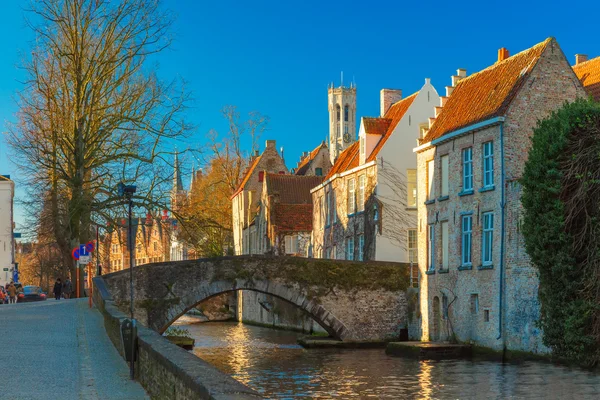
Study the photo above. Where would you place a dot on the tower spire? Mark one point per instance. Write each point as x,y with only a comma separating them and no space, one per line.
177,182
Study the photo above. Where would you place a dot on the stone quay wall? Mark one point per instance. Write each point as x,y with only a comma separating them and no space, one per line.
165,370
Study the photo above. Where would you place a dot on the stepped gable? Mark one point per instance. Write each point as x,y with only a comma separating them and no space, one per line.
306,161
486,94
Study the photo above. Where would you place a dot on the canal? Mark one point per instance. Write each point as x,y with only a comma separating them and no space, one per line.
271,362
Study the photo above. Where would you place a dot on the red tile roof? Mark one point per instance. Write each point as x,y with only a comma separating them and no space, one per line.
347,160
292,189
486,94
292,217
376,126
394,115
305,163
588,73
246,177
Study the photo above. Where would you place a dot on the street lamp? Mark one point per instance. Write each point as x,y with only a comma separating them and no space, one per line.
127,192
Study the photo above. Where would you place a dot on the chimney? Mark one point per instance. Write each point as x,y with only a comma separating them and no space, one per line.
270,144
579,58
503,54
387,97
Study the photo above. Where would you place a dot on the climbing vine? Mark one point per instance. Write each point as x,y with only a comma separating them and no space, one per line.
561,227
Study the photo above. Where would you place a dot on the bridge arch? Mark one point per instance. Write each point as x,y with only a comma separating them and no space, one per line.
350,300
291,295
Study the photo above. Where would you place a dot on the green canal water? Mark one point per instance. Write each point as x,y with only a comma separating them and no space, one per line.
271,362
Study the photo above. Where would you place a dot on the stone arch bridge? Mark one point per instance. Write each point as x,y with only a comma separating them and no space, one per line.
351,300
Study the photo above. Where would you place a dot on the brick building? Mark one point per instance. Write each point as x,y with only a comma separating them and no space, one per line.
246,199
284,220
366,207
477,283
316,163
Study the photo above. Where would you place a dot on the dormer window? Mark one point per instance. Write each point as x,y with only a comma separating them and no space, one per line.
346,112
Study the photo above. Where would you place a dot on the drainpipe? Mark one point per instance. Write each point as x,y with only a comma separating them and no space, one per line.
502,236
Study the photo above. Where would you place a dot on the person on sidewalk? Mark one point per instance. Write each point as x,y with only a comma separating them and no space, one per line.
2,295
58,287
12,294
67,288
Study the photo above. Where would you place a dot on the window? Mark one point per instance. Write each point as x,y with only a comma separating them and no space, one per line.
361,193
412,246
328,208
345,129
486,315
319,171
431,247
334,204
322,209
445,245
375,213
430,187
350,249
467,231
346,112
155,246
444,163
474,304
361,245
351,198
488,238
488,164
362,147
337,112
261,176
414,276
467,158
411,187
334,252
291,244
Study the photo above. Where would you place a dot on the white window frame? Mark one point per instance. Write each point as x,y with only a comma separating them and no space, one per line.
431,247
411,188
444,166
291,244
487,239
430,175
361,245
467,240
467,158
351,196
413,246
362,179
350,248
445,253
334,252
488,164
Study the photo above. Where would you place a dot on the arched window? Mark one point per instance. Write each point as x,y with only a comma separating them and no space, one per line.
337,111
346,112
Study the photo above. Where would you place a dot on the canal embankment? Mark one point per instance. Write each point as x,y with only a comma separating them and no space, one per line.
165,370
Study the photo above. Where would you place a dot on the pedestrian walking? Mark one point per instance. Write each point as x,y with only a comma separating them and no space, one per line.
2,295
12,294
58,287
67,288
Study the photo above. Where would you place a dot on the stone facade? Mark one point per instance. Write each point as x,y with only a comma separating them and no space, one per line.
491,302
246,199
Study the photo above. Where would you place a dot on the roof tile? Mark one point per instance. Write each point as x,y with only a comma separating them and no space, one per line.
292,189
347,160
588,73
486,94
293,217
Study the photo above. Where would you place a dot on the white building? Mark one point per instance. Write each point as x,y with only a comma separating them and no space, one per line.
7,192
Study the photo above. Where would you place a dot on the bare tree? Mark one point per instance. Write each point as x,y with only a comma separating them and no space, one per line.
91,114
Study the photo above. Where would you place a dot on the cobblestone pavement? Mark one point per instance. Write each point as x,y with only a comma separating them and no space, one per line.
59,350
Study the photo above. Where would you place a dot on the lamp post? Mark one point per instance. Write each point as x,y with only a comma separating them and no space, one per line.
127,192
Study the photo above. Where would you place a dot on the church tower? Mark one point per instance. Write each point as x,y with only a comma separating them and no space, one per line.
342,119
178,194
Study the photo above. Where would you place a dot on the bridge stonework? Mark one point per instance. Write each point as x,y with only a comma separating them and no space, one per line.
351,300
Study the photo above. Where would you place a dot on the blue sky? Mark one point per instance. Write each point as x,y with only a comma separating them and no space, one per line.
277,57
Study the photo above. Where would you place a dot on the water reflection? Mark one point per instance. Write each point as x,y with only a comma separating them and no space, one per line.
270,362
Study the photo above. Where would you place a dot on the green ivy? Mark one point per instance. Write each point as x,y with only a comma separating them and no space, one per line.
567,309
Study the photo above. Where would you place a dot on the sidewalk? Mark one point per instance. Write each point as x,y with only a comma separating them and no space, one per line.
59,350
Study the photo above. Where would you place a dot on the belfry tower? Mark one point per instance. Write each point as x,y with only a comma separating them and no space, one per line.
342,118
